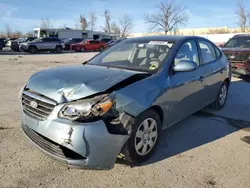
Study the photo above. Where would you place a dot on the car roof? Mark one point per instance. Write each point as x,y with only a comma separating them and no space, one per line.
174,38
242,35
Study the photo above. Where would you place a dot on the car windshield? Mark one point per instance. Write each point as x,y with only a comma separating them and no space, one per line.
66,40
23,40
239,42
144,56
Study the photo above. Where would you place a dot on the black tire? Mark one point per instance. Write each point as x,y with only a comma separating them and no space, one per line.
58,49
129,151
101,48
218,104
82,49
32,49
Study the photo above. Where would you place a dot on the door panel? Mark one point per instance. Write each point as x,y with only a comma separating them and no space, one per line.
212,69
186,89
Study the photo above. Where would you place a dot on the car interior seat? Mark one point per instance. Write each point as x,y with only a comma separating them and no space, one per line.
150,54
184,53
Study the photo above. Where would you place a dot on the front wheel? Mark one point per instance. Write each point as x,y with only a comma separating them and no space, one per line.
32,49
58,49
101,48
82,49
144,138
221,98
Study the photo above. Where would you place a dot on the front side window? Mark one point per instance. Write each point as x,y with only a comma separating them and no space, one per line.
207,51
144,56
187,51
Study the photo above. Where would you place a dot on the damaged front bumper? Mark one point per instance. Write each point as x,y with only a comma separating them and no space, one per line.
241,67
83,145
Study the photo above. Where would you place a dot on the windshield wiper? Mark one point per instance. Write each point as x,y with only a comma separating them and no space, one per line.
85,62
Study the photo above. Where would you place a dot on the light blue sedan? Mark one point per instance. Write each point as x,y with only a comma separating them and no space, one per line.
119,101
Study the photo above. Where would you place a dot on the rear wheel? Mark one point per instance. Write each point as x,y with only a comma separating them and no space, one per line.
144,138
82,49
58,49
221,97
32,49
101,48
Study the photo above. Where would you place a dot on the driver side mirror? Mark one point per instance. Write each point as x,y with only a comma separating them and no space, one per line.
185,66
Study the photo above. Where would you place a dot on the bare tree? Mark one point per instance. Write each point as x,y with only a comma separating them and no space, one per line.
168,17
28,34
126,25
242,15
115,28
83,22
8,30
107,21
17,34
46,23
92,20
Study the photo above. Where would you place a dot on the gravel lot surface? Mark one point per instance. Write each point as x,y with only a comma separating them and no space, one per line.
208,149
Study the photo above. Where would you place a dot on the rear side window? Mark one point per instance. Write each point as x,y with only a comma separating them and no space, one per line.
217,51
78,40
94,42
50,40
208,53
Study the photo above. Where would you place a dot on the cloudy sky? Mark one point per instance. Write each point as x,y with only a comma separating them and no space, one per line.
24,15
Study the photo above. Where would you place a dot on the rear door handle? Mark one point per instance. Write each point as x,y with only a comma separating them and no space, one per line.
223,69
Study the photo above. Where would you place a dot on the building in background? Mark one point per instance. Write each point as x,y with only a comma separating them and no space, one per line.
218,35
72,33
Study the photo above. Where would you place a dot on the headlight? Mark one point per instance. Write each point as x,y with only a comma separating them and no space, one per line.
21,92
87,108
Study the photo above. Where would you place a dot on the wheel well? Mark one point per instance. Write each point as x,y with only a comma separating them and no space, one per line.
227,81
32,46
159,110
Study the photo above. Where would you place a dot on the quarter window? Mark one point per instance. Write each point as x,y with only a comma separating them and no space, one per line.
207,51
188,51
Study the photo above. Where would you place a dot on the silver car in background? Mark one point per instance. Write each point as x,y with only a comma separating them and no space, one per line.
119,101
52,44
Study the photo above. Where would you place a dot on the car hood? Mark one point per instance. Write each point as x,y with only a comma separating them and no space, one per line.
70,83
235,49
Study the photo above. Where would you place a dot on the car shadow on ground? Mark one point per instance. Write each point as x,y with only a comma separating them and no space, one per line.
199,129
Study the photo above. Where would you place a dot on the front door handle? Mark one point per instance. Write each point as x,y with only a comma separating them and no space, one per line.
223,69
201,79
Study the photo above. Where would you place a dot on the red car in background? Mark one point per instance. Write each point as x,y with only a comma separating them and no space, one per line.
88,45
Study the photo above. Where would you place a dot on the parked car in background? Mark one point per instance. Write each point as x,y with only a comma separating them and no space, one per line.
1,44
237,50
2,41
51,44
15,44
70,41
119,101
105,40
113,42
8,41
88,45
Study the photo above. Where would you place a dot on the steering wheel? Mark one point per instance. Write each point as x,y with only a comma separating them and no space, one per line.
154,64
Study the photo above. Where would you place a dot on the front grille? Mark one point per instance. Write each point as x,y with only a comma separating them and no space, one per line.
62,153
43,108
